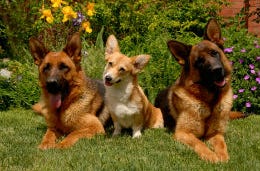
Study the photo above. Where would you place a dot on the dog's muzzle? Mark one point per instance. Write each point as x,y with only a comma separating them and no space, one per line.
218,74
53,86
109,80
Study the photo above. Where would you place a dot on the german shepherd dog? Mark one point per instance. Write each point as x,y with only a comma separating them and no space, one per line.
124,98
201,99
70,100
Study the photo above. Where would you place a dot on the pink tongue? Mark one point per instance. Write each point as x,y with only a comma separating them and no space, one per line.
220,83
108,83
55,101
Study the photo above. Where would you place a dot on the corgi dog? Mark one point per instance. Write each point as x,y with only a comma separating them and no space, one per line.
124,98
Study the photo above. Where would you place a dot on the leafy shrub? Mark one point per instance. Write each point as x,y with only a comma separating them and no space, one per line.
133,20
244,53
21,89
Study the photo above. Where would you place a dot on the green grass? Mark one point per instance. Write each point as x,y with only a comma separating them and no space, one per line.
21,131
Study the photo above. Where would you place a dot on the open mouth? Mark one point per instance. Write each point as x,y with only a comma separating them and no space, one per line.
109,83
220,83
55,101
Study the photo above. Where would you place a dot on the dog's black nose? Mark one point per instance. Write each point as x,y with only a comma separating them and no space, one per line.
218,73
108,78
53,86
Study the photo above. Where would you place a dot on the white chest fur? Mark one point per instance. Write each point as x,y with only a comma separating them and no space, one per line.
119,103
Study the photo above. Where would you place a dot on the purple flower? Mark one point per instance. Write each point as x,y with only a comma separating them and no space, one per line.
257,46
229,50
235,96
248,104
241,90
252,71
258,80
251,66
258,73
243,50
253,88
241,61
246,77
258,58
77,21
231,63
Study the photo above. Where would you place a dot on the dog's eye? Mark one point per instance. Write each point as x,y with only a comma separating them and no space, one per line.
63,66
199,62
110,63
47,67
214,53
121,69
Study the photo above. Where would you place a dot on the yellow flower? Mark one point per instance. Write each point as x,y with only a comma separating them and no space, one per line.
86,27
46,13
57,3
68,13
90,9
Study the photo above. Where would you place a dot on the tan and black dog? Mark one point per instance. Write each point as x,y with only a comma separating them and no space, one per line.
201,99
124,98
70,100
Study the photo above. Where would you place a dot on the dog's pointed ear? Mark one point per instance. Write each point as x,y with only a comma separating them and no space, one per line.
38,50
139,62
179,50
213,33
112,45
73,47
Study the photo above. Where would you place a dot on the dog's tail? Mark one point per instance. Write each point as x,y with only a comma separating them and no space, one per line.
236,115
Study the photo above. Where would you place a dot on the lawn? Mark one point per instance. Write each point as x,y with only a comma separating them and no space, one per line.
21,131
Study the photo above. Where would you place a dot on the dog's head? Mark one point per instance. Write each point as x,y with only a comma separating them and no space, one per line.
120,68
205,63
57,69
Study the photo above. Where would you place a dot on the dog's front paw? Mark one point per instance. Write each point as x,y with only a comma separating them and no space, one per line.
62,145
46,145
223,157
211,157
137,134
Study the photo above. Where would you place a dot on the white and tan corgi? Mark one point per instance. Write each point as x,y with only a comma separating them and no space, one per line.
124,98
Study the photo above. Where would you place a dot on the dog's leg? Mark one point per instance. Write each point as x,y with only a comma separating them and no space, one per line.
117,128
49,139
199,147
104,115
137,131
92,127
220,147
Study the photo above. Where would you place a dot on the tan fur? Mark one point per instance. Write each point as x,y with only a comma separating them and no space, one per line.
76,115
125,99
199,108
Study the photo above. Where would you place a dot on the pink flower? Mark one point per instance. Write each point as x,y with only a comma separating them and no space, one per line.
252,71
243,50
235,96
257,46
258,58
258,80
253,88
248,104
229,50
231,63
251,66
241,61
241,90
246,77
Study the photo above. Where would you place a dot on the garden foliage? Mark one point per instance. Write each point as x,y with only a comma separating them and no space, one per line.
141,26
